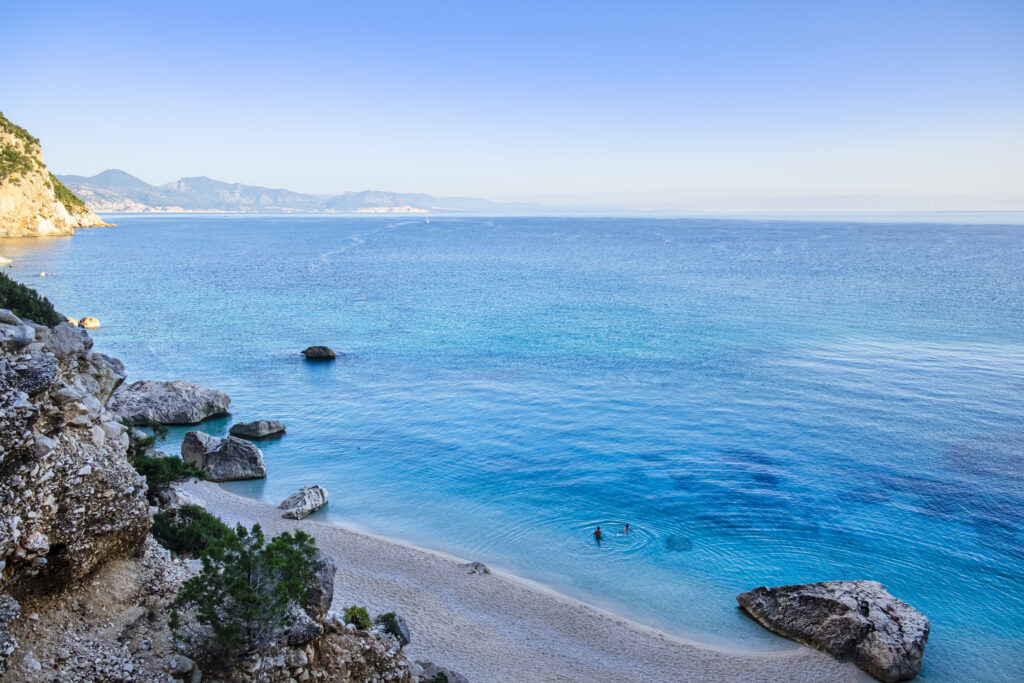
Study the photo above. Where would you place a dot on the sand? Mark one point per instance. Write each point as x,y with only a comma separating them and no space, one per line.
496,627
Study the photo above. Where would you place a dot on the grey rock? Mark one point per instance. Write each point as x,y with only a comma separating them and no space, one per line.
395,625
180,666
430,671
102,375
259,429
857,621
8,318
17,336
318,353
66,340
36,373
320,589
476,568
304,629
225,459
304,502
9,610
172,403
173,497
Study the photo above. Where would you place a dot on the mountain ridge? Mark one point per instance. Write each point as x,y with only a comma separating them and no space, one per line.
115,190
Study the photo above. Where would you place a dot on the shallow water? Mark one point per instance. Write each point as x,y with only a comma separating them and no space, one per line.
764,402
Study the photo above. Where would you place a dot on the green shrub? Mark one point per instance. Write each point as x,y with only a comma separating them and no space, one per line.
66,197
26,302
188,530
242,597
14,162
439,677
358,616
160,472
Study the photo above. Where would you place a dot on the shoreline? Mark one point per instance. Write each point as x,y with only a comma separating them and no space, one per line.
502,627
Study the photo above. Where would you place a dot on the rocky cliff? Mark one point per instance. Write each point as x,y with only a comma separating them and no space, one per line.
32,201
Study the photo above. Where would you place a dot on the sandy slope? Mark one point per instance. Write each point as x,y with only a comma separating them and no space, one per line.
497,628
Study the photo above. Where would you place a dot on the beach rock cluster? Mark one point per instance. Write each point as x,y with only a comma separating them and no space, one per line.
69,499
169,403
857,621
258,429
226,459
304,502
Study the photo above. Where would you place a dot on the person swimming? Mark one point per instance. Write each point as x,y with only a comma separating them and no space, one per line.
627,529
597,534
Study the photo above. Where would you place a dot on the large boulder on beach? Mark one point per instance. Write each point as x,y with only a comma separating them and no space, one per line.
318,353
171,403
857,621
259,429
225,459
304,502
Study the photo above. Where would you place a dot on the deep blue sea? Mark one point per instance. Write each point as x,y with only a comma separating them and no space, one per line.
765,402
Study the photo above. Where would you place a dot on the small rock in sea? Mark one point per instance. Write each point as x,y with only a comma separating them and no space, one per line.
304,502
856,621
71,321
476,568
89,322
318,353
259,429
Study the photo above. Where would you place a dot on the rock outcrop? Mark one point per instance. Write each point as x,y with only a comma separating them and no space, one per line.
225,459
856,621
69,499
32,201
259,429
318,353
304,502
170,403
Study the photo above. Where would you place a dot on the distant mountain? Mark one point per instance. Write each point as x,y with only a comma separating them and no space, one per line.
118,191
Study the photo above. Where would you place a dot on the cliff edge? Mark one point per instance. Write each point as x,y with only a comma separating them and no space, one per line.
32,201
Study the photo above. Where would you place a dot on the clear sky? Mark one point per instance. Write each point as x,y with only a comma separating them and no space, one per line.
675,104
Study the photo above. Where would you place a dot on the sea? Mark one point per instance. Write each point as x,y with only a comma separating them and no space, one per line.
763,401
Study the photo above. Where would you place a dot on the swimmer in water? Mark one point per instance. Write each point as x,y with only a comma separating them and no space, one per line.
627,529
597,534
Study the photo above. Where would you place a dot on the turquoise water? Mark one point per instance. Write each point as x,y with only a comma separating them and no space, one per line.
764,402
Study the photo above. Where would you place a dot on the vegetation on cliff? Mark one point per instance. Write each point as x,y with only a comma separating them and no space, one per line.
189,530
242,599
14,162
66,197
26,303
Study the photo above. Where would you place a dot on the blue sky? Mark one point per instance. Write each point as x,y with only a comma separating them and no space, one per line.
641,104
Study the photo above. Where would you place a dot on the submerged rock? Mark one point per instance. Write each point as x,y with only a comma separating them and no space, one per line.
227,459
318,353
857,621
172,403
304,502
259,429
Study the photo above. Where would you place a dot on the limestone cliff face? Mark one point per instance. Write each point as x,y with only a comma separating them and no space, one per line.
69,499
32,201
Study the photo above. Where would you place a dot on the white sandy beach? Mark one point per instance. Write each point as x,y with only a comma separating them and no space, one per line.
495,627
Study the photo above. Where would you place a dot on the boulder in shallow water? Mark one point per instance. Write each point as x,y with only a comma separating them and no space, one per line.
857,621
89,322
318,353
259,429
304,502
171,403
227,459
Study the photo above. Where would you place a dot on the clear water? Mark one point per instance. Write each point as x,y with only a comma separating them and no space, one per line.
764,402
